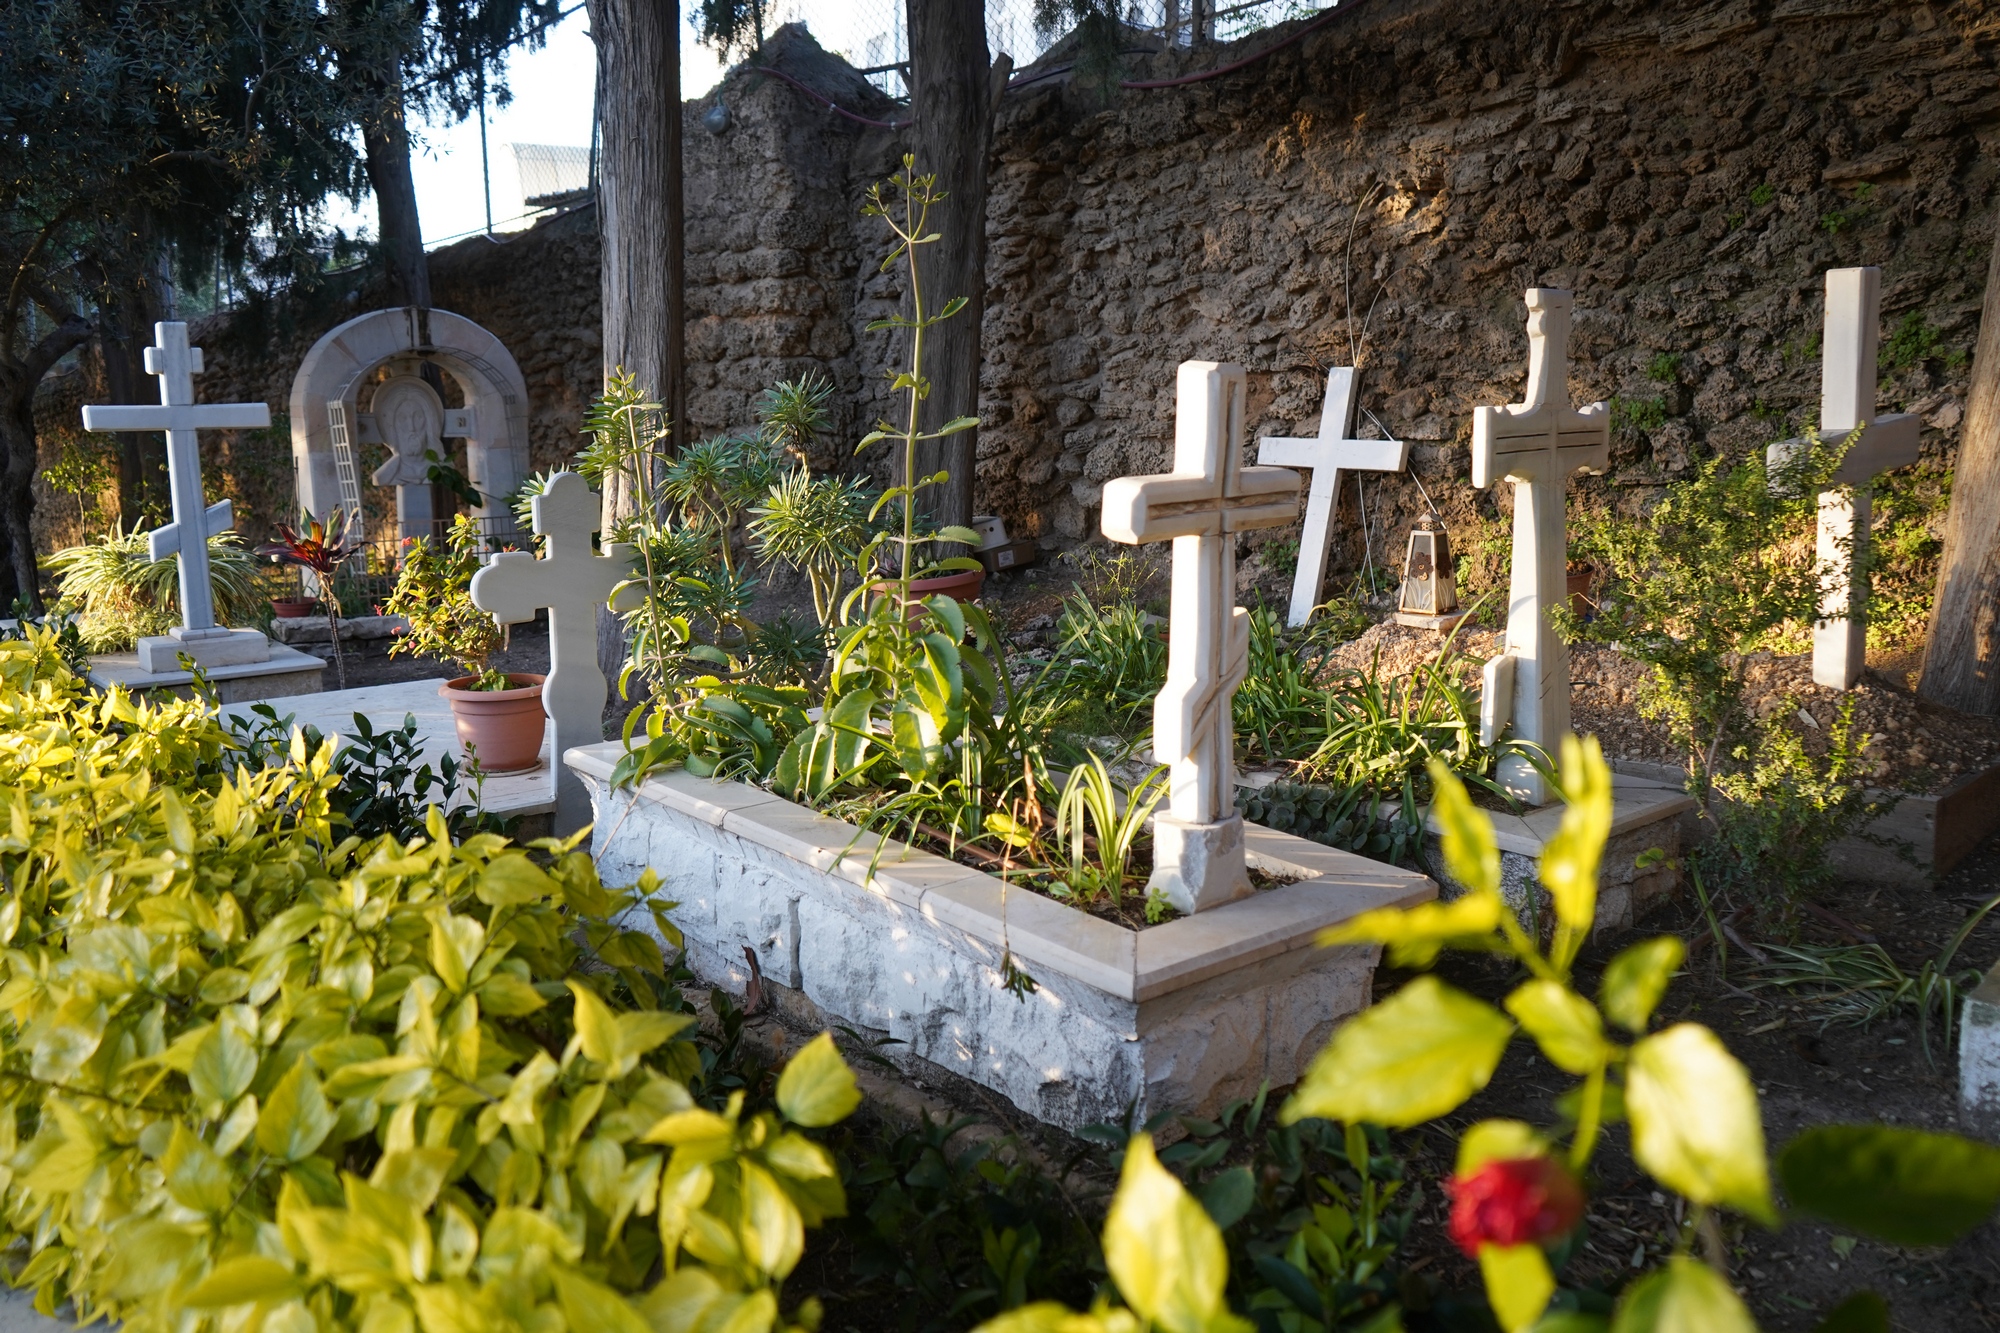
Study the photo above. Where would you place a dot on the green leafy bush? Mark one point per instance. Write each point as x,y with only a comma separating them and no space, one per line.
121,594
260,1074
434,594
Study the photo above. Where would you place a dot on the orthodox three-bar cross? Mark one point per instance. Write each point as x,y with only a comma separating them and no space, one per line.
1200,506
1847,401
572,581
186,538
1335,450
1536,444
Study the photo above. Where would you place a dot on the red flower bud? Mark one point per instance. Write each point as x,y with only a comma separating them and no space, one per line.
1522,1201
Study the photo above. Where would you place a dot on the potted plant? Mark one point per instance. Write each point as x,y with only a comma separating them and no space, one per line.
322,548
292,608
499,714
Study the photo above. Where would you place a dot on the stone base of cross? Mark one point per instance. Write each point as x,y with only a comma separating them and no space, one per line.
1335,450
1200,506
1536,444
572,581
1847,401
186,538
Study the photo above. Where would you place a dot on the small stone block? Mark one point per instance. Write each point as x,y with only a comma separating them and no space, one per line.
162,652
284,673
1440,623
1979,1060
1198,866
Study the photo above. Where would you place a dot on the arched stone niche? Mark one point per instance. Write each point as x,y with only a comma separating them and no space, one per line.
405,413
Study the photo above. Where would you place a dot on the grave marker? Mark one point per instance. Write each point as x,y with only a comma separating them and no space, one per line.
186,538
1536,444
1334,450
1847,400
1200,506
572,581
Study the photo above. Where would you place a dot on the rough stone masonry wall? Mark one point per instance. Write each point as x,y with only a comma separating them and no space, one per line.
1688,169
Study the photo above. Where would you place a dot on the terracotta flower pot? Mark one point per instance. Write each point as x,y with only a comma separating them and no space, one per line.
1578,581
503,727
291,608
961,584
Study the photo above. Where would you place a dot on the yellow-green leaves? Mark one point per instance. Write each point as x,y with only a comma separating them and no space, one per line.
1414,1057
817,1088
1470,853
1564,1024
1687,1296
1164,1253
224,1064
618,1040
1414,935
239,1281
456,943
1695,1123
1518,1284
296,1119
1637,978
1498,1141
1570,858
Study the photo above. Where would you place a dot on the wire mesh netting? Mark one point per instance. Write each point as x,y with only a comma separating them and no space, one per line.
872,34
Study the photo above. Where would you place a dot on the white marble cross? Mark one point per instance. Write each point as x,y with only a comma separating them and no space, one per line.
1536,444
572,581
1334,451
1847,400
1201,505
187,536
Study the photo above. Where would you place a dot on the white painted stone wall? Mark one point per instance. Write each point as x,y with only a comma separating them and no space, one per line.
1187,1015
1979,1060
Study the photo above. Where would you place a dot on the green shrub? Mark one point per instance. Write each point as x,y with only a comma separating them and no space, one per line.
259,1074
121,594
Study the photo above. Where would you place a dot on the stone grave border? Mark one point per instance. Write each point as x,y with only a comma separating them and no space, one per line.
847,927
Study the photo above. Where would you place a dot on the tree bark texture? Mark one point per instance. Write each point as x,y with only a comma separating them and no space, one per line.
124,331
385,137
1962,646
640,225
952,99
19,377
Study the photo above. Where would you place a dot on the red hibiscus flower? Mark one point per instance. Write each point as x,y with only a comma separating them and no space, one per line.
1522,1201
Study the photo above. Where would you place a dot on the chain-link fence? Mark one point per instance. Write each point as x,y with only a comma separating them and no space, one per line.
872,35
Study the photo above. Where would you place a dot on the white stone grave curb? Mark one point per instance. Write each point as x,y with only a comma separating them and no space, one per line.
1979,1060
880,936
1644,814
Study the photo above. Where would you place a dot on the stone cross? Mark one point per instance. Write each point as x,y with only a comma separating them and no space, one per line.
186,538
1335,449
1201,505
1847,400
572,581
1536,444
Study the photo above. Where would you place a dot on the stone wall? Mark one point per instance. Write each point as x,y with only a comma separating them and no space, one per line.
1689,168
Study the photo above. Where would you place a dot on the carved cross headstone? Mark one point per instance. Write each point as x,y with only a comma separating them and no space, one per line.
1200,506
572,581
186,538
1536,444
1335,450
1847,400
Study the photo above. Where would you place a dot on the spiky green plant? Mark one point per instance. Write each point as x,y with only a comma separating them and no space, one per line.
816,524
122,594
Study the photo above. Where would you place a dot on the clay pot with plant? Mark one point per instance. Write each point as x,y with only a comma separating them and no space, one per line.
498,714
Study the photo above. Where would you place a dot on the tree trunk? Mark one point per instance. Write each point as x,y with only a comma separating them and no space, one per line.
20,577
386,139
639,223
1962,647
142,456
952,99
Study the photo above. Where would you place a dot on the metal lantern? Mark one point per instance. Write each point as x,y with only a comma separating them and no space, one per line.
1430,595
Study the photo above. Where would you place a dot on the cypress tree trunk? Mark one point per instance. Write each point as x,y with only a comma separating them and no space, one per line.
19,377
1962,646
640,225
953,93
385,137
